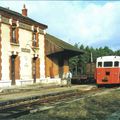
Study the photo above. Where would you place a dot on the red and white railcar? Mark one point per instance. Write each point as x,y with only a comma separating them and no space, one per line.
108,70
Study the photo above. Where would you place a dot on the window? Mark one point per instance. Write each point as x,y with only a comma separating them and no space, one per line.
14,34
99,64
116,64
34,39
108,64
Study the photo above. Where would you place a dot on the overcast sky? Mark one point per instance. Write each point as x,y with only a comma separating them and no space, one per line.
95,24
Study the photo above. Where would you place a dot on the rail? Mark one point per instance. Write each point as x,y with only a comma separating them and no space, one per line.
16,108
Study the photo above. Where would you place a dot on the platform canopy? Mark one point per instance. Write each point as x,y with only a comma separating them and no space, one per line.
55,46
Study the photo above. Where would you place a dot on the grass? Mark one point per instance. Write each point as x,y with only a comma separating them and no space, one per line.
100,107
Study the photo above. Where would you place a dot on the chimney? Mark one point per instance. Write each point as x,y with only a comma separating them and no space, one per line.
24,11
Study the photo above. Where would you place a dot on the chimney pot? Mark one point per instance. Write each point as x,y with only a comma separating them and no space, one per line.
24,11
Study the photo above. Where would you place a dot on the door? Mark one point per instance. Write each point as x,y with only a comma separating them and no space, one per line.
34,69
61,68
13,69
51,72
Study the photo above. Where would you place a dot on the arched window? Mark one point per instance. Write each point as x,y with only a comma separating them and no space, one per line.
14,34
35,38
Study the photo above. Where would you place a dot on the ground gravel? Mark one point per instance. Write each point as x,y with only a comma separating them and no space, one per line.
101,107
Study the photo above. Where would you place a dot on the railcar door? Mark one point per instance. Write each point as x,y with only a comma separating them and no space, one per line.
115,73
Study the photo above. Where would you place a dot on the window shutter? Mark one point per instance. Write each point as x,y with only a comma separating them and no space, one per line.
17,67
38,68
10,33
37,39
17,34
33,39
0,54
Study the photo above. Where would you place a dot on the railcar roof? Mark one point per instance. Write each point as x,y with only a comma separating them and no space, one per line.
108,58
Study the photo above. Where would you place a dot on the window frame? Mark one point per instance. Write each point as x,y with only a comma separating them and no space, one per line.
100,65
117,62
14,35
35,38
107,64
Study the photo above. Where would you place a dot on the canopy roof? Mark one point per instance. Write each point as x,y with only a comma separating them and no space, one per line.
61,47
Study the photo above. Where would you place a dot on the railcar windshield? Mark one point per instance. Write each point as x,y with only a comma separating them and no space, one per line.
108,64
116,64
99,64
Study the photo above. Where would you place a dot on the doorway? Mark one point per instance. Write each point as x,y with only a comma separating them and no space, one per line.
34,69
13,57
61,64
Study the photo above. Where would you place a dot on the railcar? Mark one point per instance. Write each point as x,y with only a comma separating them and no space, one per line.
108,70
87,77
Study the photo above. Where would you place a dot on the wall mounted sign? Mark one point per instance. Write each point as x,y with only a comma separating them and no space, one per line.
25,50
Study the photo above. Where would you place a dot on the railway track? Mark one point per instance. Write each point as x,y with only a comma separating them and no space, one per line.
16,108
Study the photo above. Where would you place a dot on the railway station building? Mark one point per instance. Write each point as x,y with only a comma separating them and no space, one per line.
27,53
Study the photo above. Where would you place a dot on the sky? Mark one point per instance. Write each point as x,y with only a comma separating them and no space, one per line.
92,23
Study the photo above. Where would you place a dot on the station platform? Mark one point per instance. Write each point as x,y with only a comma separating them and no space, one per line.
22,92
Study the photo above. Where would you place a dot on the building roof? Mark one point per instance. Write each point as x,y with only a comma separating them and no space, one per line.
6,12
64,45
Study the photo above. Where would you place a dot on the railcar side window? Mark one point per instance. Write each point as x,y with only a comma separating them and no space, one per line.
108,64
99,64
116,64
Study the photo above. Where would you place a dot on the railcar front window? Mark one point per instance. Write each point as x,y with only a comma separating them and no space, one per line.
108,64
99,64
116,64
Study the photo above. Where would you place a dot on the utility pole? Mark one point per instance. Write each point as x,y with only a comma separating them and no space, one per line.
91,61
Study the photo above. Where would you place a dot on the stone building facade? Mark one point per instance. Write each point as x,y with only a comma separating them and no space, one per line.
25,56
21,48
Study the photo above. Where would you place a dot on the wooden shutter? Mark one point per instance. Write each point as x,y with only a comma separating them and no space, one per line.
37,39
10,33
17,34
33,39
38,68
0,55
10,68
17,67
51,72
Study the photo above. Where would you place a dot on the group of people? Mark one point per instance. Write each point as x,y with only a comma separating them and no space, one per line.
68,76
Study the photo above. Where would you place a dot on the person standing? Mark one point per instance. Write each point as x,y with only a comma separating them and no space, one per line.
69,77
